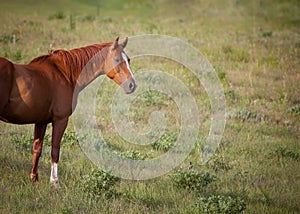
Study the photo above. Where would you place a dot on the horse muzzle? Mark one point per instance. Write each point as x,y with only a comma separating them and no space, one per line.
129,85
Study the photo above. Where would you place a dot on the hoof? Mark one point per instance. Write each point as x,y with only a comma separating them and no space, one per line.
34,178
55,184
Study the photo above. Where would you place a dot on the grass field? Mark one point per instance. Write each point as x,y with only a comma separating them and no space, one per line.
254,47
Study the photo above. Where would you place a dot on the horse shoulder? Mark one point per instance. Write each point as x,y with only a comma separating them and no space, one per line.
61,88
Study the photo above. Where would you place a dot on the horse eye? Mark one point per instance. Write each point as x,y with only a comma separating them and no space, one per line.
117,60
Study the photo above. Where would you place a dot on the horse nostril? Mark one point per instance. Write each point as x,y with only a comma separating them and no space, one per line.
131,86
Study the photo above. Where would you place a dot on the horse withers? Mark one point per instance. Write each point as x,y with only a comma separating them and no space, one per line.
44,90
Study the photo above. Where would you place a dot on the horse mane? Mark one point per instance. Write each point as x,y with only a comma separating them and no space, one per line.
71,62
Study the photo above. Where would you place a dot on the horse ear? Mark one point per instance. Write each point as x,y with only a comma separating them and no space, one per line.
124,43
115,44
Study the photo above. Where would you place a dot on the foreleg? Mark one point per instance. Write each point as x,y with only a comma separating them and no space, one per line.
57,133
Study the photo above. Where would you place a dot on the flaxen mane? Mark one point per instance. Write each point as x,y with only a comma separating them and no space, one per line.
71,62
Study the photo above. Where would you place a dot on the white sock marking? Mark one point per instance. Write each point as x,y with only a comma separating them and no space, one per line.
54,175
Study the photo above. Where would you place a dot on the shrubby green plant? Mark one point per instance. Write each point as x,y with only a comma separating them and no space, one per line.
217,204
58,15
165,142
87,18
266,33
295,110
231,94
23,141
245,115
9,38
17,56
134,155
99,183
218,163
192,180
69,138
153,98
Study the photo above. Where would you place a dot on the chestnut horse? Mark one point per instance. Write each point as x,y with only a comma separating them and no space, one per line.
44,90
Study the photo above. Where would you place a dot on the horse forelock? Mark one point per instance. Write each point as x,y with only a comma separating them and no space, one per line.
71,62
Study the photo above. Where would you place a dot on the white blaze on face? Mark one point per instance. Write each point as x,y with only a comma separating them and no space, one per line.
127,63
54,175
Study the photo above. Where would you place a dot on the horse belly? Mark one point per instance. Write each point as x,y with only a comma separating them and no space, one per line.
20,112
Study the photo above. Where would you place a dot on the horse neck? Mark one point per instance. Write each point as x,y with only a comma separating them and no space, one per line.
86,64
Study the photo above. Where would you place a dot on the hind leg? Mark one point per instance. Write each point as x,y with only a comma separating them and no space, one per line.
39,133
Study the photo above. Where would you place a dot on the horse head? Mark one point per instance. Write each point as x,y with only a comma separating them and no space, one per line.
117,66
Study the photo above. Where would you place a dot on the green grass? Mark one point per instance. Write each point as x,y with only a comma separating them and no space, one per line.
254,47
